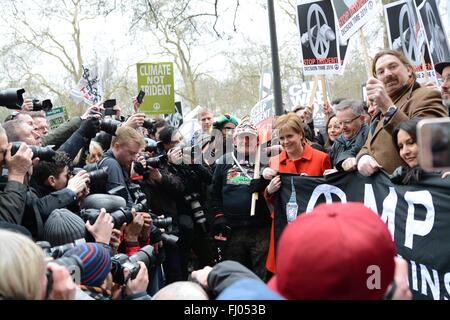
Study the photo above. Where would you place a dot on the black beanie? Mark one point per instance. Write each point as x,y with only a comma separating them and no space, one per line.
63,226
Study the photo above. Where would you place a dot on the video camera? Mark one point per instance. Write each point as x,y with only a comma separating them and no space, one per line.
12,98
121,261
43,153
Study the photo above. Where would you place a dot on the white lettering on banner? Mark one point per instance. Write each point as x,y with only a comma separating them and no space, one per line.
369,197
326,190
417,227
157,90
447,283
427,281
389,205
155,69
414,276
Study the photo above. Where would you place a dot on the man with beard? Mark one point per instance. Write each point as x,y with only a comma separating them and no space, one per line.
443,68
397,97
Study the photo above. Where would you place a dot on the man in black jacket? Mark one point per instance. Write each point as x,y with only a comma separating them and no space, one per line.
350,114
233,187
13,195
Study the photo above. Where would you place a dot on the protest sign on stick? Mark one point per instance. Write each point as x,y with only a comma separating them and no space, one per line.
156,80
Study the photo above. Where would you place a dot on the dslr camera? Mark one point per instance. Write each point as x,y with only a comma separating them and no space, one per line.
121,261
120,216
43,153
197,212
45,105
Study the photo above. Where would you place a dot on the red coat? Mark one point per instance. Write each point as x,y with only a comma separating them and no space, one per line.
313,163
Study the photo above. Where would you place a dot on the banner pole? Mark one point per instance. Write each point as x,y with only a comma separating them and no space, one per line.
424,67
365,52
313,92
324,89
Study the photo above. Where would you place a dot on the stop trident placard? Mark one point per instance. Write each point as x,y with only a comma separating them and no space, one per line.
156,80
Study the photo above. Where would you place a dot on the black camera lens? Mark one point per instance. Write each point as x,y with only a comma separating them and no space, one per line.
43,153
156,162
119,216
99,174
109,126
12,98
197,211
162,222
58,251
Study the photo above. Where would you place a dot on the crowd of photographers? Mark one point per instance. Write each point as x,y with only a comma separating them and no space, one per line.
114,207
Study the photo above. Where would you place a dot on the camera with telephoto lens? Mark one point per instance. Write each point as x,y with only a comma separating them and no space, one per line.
121,261
58,251
12,98
197,210
120,216
93,173
156,162
45,105
110,126
163,223
43,153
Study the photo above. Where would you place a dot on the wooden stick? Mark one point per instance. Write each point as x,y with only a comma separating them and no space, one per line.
365,52
324,89
313,93
424,67
256,175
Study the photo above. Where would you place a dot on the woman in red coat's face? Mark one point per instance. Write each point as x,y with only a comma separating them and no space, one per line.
292,142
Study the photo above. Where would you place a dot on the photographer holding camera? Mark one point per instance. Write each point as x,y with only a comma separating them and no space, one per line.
14,193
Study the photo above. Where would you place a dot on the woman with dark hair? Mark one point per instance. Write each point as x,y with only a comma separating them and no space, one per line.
333,130
405,140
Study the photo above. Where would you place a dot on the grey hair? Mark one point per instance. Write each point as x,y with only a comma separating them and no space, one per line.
357,106
11,129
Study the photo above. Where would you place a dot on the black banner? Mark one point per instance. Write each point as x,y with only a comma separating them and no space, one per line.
418,217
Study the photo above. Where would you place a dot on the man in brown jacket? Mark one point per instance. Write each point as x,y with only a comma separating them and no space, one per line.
397,97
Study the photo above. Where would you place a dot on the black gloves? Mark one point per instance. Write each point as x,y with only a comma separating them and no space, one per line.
89,128
220,223
258,185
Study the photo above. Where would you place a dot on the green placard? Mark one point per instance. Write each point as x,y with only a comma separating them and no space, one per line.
55,117
156,79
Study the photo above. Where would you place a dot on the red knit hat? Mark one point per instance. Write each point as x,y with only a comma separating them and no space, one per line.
332,252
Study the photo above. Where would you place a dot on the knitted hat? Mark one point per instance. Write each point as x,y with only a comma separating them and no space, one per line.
96,262
331,253
226,118
245,128
63,226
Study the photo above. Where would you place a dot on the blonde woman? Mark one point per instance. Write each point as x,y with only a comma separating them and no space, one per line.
23,271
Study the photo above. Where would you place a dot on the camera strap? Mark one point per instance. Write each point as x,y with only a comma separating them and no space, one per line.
244,171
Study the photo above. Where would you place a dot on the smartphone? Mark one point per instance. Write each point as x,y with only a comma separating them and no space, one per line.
433,138
140,96
109,105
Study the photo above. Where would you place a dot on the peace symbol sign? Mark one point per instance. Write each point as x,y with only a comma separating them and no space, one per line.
318,31
408,37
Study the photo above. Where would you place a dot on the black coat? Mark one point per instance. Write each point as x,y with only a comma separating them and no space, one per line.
12,202
343,149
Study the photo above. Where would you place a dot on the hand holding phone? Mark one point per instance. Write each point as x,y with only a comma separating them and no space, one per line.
140,96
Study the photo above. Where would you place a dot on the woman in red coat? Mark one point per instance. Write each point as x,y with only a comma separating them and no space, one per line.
297,157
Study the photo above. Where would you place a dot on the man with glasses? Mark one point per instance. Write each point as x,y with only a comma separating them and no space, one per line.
350,116
443,68
397,97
